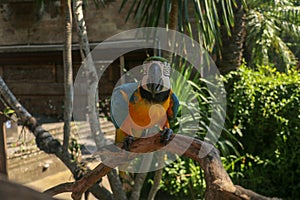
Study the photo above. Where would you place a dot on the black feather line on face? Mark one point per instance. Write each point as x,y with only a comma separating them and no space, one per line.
154,98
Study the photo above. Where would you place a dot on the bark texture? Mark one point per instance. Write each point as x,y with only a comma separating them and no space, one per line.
68,73
219,184
90,73
91,78
138,184
233,46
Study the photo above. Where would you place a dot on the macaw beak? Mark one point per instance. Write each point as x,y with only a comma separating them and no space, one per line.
155,82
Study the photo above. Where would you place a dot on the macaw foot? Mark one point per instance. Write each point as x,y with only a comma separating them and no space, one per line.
127,142
165,135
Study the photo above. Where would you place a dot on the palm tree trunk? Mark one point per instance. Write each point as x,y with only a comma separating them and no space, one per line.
92,84
233,46
173,19
91,73
68,73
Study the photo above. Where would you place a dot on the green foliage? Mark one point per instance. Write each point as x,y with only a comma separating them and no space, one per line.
205,17
184,178
75,149
8,111
272,30
197,102
264,113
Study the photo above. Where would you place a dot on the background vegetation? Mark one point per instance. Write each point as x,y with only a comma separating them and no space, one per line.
264,114
260,142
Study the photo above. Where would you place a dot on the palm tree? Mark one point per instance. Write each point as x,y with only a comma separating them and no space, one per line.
268,27
271,26
199,19
232,50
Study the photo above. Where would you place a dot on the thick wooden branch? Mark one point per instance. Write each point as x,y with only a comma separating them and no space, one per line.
219,184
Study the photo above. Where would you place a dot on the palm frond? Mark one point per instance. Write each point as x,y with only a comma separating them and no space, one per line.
207,23
266,28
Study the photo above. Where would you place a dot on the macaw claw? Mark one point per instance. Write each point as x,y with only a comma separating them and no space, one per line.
165,135
127,142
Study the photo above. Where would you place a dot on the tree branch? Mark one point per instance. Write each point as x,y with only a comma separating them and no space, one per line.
138,185
157,178
219,184
116,185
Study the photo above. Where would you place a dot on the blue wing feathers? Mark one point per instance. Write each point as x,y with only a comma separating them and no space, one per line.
175,104
119,105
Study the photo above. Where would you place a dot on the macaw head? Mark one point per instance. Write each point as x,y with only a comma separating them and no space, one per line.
156,77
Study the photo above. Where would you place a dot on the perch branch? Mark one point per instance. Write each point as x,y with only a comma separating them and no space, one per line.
219,184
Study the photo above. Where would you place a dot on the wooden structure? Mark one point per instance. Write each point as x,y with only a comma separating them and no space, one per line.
35,75
31,63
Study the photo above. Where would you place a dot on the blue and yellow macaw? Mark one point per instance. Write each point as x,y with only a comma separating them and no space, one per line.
150,102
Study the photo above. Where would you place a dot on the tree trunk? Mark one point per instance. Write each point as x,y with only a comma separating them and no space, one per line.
46,142
233,46
90,73
173,20
157,177
138,185
68,73
173,17
3,146
115,182
92,90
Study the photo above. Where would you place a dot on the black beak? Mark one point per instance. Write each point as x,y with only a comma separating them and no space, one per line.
154,82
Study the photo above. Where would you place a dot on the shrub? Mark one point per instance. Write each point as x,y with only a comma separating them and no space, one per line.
184,178
264,112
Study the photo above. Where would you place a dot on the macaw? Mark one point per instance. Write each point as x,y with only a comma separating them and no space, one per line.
141,105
